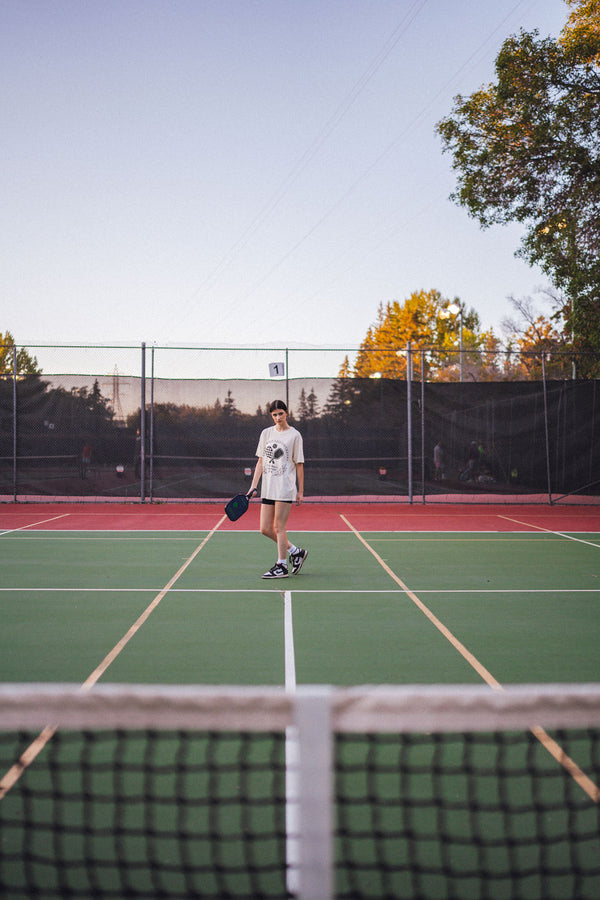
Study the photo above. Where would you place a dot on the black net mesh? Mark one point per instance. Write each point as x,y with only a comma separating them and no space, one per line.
146,814
189,814
466,816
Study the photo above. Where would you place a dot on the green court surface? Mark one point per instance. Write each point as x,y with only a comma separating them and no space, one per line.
524,604
419,815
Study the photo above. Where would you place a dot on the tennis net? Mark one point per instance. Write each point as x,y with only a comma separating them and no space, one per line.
179,792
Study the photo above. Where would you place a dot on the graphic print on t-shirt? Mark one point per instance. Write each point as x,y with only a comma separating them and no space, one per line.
276,457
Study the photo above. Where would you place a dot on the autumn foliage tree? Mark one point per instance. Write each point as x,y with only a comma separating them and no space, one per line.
533,335
526,149
424,320
26,364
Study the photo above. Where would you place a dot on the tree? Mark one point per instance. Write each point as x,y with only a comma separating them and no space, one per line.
26,364
526,150
582,30
93,401
302,407
424,320
230,410
343,391
312,405
308,407
532,335
80,411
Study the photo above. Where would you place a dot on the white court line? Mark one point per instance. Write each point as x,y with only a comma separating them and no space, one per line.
215,590
408,536
561,534
140,533
554,749
462,538
33,524
14,773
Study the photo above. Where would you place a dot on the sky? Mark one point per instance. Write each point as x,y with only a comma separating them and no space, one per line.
242,172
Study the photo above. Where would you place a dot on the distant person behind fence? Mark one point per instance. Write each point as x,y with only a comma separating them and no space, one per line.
86,459
473,460
439,462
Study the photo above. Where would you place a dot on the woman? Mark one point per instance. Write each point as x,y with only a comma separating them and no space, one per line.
280,462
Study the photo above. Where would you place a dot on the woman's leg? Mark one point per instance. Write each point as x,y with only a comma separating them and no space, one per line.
273,524
282,514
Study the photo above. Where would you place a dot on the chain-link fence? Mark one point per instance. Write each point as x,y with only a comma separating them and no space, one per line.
464,424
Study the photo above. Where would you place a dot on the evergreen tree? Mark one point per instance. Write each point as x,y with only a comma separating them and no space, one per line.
312,405
342,393
302,406
229,408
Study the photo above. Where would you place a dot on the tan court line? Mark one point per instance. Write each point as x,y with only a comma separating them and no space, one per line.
28,756
554,749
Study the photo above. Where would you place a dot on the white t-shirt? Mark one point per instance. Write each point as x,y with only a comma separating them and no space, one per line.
280,451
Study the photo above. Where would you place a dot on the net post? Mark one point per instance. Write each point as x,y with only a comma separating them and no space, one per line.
312,712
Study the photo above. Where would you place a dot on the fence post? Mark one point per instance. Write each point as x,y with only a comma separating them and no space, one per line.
287,378
409,418
546,427
14,423
151,443
143,428
423,462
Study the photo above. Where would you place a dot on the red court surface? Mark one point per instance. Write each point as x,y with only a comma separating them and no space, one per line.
309,517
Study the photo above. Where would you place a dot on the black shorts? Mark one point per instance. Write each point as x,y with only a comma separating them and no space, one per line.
272,502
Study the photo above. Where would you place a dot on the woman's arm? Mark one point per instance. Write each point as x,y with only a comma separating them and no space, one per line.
257,475
300,476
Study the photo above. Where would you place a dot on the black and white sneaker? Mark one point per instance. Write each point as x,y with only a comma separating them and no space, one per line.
277,571
297,560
